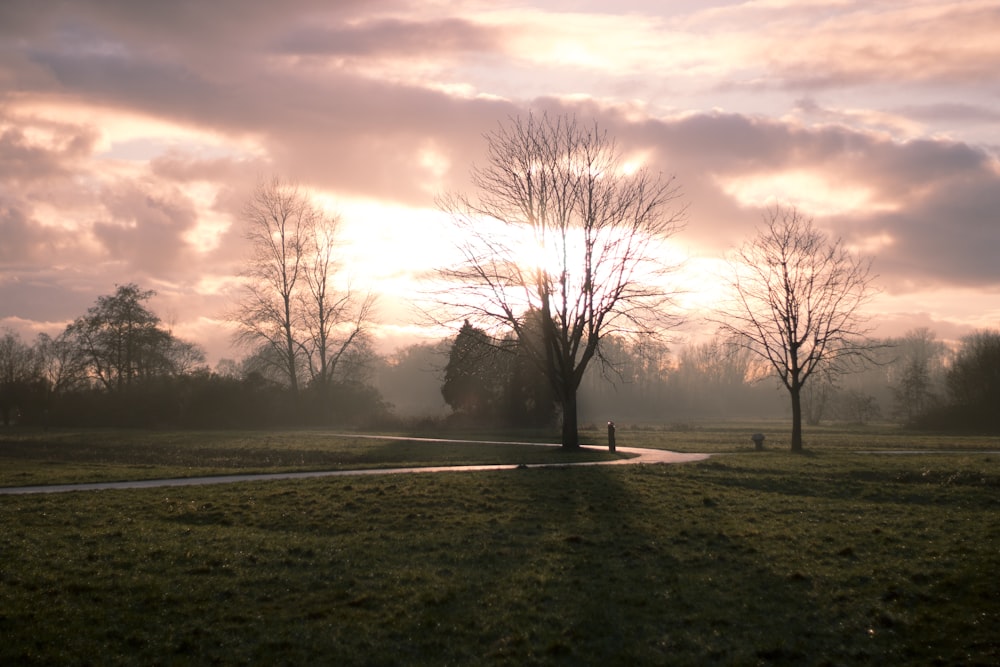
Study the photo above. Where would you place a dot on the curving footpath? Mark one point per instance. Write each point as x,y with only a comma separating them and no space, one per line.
640,455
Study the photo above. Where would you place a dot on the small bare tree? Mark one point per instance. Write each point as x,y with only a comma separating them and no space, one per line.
332,319
291,311
797,303
560,232
279,219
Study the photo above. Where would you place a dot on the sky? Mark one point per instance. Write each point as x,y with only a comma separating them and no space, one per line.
131,134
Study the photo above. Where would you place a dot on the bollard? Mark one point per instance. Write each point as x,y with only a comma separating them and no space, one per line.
758,441
611,436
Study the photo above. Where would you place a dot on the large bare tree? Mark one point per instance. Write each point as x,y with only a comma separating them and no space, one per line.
797,302
292,312
560,227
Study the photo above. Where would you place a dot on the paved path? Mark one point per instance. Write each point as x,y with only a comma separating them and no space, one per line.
639,456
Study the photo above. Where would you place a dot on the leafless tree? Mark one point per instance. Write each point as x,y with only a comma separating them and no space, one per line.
64,364
292,312
916,371
332,319
278,221
560,226
798,302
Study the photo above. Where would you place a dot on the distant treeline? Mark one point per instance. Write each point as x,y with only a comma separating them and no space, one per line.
117,365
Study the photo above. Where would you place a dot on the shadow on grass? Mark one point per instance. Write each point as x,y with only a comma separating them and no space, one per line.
537,565
623,565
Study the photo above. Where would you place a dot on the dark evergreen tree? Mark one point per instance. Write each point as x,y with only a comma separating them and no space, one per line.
528,398
472,382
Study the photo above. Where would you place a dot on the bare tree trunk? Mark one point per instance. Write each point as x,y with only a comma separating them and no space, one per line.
570,432
290,356
796,392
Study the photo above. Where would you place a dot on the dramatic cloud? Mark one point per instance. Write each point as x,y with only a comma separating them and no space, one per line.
131,134
392,37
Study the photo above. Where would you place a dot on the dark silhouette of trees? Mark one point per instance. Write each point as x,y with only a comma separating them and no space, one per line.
93,375
114,365
472,379
350,397
120,341
973,383
797,302
494,381
527,398
63,365
118,366
557,225
20,375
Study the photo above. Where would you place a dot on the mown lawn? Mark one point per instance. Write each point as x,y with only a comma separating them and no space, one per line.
832,557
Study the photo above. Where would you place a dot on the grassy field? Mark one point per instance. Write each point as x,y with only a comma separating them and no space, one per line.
64,457
831,557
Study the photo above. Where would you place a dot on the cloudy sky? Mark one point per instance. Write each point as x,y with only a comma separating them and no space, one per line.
132,132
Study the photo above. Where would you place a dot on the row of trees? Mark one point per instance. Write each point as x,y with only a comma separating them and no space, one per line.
972,382
563,248
118,365
915,380
116,348
562,278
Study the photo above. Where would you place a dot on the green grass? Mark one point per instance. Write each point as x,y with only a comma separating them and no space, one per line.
735,437
831,557
33,457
